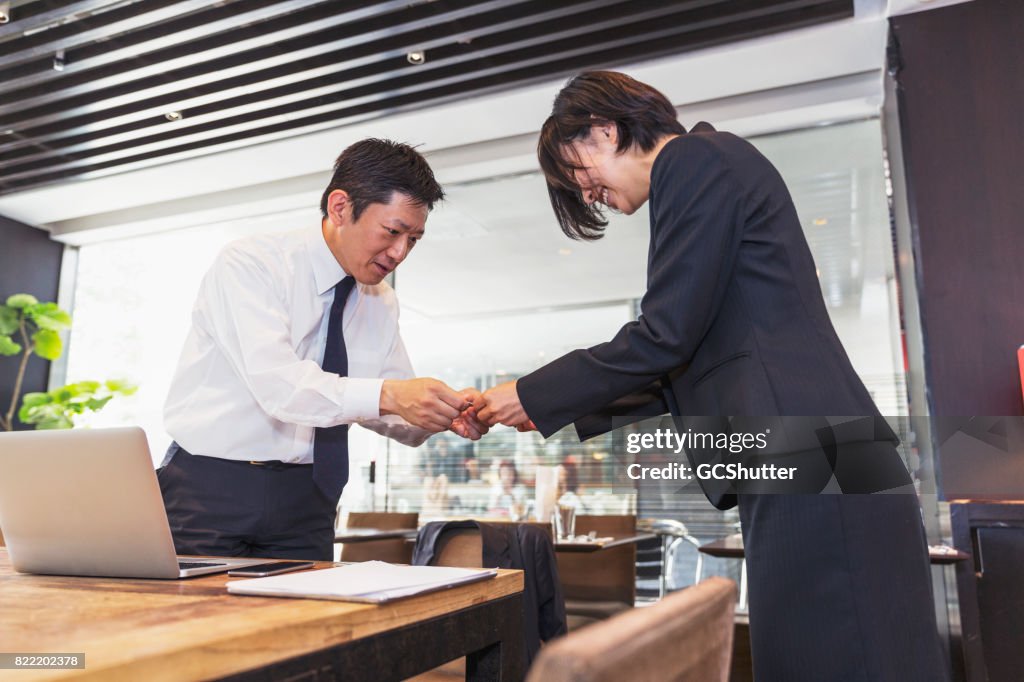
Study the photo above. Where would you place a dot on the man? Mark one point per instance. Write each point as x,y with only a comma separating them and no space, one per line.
294,337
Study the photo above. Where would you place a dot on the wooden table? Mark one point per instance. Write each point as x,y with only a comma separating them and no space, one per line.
193,629
562,546
350,535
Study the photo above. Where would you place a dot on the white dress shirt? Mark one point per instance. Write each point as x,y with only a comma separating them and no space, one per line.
249,384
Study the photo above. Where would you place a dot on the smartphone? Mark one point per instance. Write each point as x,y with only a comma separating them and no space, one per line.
272,568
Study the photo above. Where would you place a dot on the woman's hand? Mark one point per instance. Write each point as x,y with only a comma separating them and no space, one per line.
503,406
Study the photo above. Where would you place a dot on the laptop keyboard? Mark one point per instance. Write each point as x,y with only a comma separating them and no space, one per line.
183,565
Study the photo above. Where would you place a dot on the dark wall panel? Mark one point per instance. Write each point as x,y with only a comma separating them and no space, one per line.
991,593
29,263
961,94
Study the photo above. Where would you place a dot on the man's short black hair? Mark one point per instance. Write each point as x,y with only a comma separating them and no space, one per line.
371,170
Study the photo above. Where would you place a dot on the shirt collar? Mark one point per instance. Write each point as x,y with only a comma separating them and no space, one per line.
326,270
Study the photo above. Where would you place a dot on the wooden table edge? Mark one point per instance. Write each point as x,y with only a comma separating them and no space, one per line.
288,636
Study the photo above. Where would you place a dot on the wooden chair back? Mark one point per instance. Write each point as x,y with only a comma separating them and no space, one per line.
395,551
461,548
686,637
608,575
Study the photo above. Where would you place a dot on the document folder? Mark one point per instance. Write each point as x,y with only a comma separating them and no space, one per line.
371,582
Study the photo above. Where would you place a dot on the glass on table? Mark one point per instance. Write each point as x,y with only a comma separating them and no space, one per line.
564,520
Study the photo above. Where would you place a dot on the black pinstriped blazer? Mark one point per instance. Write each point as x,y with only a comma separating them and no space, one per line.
733,315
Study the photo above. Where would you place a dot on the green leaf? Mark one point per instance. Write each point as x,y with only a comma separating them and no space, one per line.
37,413
8,346
49,316
33,399
98,403
121,386
87,386
26,412
61,422
8,320
48,344
20,301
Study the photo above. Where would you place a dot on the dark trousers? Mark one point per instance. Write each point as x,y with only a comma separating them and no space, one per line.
840,589
224,507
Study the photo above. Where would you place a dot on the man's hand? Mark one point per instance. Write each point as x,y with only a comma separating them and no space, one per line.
427,403
503,406
468,424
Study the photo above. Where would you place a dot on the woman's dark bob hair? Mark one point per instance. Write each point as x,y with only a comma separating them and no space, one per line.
642,115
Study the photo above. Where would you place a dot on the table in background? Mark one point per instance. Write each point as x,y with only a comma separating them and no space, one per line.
731,547
562,546
348,535
193,629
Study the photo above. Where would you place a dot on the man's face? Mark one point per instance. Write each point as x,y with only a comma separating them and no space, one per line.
371,247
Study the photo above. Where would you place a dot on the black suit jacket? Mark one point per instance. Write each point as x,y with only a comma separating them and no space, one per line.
523,547
733,319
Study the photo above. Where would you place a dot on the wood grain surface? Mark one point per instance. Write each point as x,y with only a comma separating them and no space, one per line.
193,629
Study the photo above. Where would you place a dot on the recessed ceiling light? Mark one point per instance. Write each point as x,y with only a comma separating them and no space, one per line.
565,252
821,221
59,61
416,57
174,116
5,12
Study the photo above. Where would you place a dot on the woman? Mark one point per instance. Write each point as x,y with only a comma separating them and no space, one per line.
507,496
733,324
568,486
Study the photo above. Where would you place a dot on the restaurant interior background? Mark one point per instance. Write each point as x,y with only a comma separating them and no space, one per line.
495,289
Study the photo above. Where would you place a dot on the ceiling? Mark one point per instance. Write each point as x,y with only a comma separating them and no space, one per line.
87,88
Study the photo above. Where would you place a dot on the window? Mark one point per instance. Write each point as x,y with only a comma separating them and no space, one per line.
492,292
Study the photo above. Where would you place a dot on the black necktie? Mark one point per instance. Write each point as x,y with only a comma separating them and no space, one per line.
330,444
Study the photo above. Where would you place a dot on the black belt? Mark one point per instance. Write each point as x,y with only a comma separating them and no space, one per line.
273,464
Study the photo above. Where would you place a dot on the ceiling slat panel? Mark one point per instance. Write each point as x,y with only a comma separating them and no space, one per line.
288,67
301,22
495,31
33,17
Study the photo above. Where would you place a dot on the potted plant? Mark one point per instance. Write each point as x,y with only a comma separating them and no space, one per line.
29,327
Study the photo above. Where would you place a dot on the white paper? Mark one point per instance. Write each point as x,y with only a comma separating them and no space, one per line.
368,581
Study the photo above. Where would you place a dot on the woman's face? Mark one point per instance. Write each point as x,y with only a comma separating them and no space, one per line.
606,176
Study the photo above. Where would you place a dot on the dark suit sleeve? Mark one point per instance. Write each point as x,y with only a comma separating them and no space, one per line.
697,213
647,402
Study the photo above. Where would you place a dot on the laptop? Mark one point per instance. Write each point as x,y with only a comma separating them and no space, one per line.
86,502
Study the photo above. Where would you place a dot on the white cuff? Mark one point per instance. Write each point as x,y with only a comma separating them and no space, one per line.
362,398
